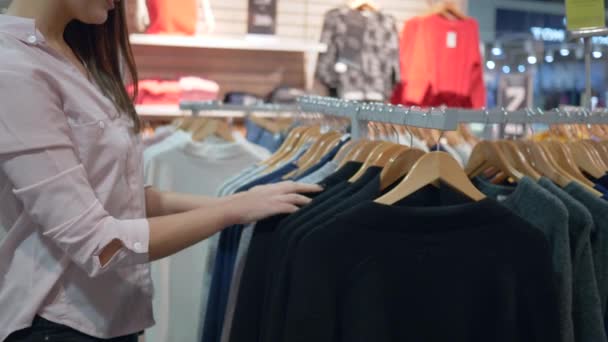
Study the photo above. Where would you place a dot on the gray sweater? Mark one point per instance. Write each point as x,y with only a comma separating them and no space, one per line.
543,210
599,243
587,310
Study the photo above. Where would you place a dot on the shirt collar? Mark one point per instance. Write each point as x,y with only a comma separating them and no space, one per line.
21,28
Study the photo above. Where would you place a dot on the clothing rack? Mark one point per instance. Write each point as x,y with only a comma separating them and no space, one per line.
444,119
231,110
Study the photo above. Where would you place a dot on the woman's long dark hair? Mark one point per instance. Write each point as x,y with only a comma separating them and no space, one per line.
106,52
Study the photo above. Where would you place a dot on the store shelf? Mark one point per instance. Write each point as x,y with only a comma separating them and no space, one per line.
160,111
251,43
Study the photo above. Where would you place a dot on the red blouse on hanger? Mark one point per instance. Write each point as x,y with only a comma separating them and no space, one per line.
172,16
441,64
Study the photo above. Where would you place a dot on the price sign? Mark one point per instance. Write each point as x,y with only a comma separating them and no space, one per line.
262,17
582,14
515,92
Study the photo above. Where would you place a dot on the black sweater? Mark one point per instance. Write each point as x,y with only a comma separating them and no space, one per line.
250,299
287,238
470,272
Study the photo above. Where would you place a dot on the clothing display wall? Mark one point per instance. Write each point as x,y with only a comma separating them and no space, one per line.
257,72
161,92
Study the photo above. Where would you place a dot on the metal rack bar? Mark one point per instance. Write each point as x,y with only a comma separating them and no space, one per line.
445,119
196,107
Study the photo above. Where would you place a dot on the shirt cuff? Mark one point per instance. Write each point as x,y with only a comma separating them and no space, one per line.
135,237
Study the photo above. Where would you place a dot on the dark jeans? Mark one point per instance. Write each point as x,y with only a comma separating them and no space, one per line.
45,331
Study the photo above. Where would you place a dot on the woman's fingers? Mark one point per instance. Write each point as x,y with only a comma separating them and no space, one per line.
295,199
293,187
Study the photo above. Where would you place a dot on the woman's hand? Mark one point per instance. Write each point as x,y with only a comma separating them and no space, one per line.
170,234
268,200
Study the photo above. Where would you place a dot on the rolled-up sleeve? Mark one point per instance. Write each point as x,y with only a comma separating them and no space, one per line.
39,159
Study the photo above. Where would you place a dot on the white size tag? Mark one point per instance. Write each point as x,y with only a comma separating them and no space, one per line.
452,40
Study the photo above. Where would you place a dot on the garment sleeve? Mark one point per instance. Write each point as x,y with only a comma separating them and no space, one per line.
478,88
38,157
326,72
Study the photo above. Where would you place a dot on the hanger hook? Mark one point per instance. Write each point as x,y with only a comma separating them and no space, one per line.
407,126
429,116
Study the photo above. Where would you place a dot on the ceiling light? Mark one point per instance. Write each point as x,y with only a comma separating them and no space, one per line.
497,50
597,52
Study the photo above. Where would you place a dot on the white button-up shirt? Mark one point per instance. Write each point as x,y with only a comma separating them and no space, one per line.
71,181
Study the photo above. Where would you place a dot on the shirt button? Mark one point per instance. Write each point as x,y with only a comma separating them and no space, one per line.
32,39
102,125
138,246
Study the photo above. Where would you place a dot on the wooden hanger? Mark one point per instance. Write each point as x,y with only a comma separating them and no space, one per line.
310,135
571,177
447,9
363,5
361,153
187,122
213,127
345,149
321,147
379,157
598,131
562,156
596,156
517,158
197,124
290,141
467,135
541,161
433,168
544,162
585,161
269,125
329,147
487,155
601,150
399,166
430,136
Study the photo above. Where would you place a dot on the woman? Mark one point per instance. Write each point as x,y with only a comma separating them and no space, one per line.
74,263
